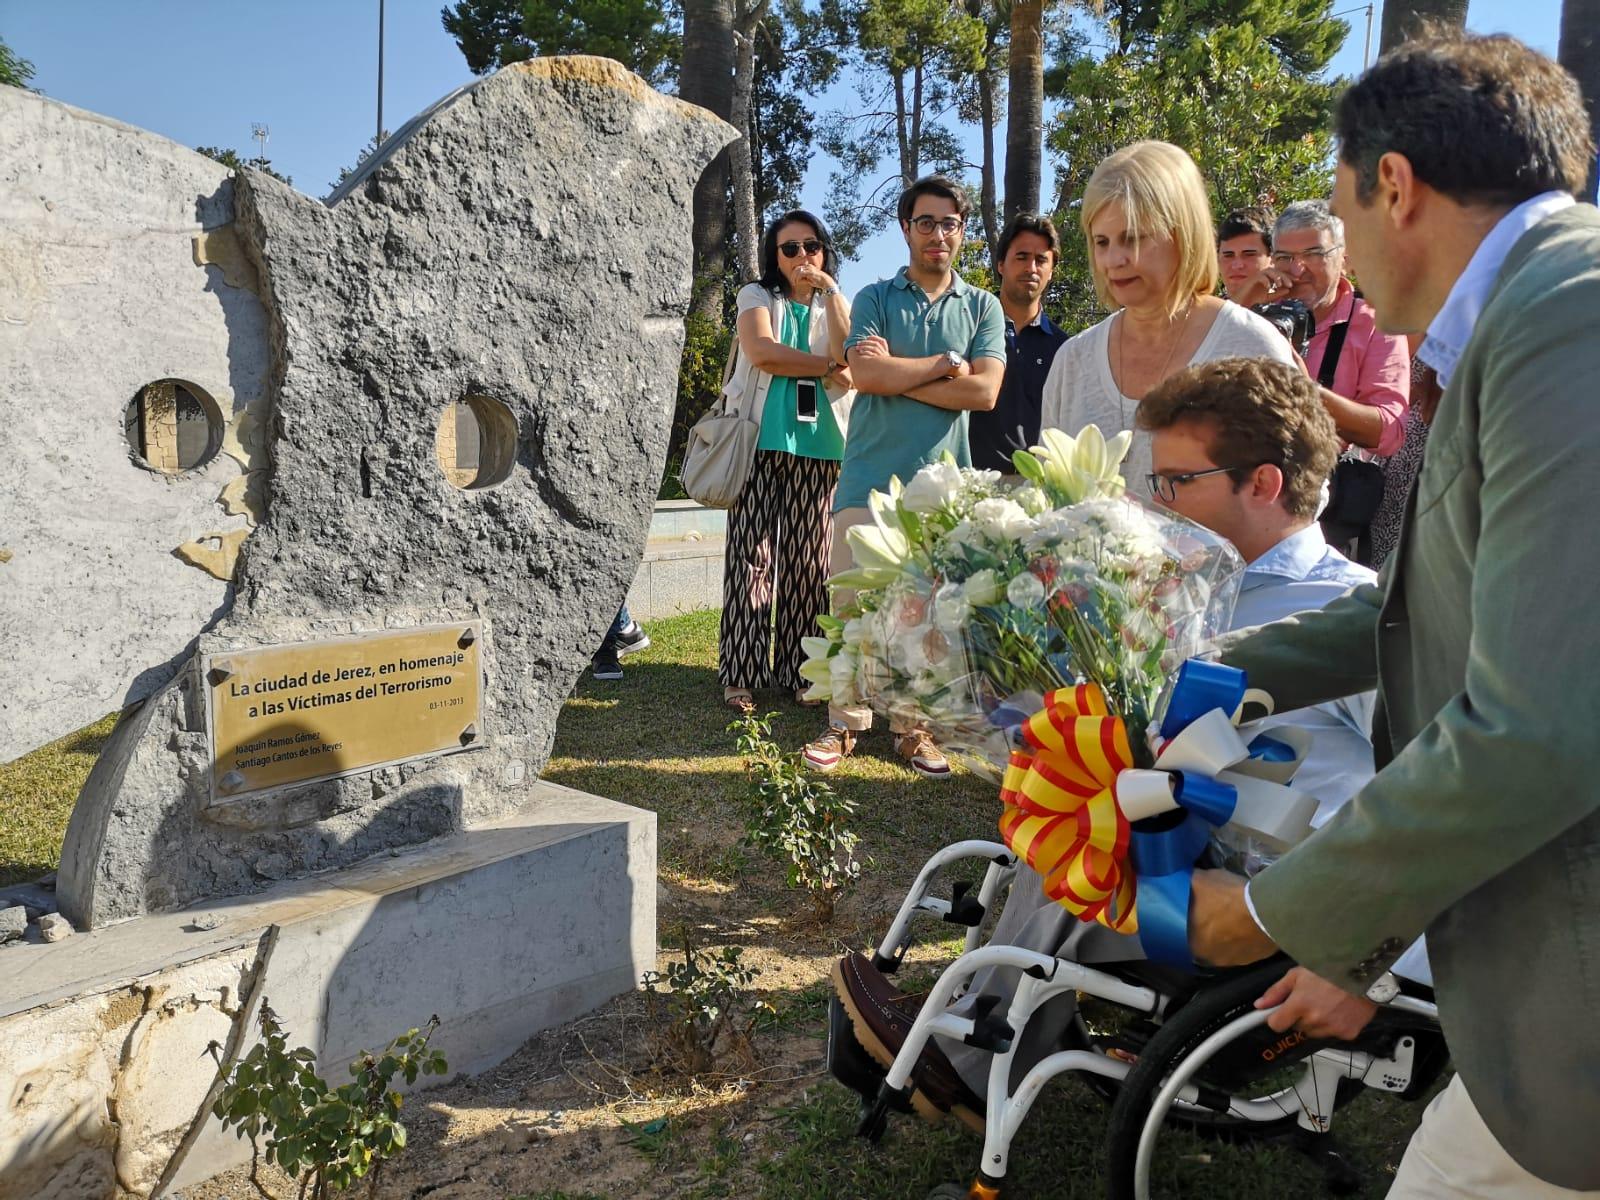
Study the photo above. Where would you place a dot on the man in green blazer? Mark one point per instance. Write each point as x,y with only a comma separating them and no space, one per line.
1458,160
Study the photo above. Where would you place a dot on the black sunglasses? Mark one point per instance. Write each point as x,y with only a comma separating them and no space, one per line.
795,249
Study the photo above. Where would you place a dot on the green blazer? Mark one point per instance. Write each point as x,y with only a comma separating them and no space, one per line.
1482,636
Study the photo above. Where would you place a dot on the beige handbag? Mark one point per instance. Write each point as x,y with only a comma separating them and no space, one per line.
722,446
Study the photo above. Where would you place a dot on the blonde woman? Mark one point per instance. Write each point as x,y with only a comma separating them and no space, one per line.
1153,252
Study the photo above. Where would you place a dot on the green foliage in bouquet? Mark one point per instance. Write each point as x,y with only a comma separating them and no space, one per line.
797,818
326,1137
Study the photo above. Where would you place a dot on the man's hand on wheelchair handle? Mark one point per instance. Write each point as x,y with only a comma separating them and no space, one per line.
1315,1007
1221,930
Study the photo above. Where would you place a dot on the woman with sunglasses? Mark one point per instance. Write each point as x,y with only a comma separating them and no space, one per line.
790,372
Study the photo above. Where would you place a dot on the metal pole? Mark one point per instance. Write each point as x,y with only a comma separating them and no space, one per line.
380,136
1366,50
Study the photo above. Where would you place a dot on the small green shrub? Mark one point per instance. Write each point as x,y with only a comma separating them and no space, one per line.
327,1138
797,818
705,1011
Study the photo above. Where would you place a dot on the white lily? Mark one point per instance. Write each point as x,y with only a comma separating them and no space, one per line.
878,546
1080,468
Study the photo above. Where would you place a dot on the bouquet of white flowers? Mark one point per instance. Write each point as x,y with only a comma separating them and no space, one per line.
971,600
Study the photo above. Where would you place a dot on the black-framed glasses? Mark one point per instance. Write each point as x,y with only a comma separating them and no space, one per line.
796,249
945,225
1165,487
1285,258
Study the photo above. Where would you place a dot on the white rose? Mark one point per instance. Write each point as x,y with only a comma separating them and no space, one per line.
1001,520
1025,591
982,588
932,488
1032,500
950,609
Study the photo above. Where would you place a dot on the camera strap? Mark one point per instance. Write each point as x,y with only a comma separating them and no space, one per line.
1331,352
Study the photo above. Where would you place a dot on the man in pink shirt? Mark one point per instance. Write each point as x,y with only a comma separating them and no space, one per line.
1365,375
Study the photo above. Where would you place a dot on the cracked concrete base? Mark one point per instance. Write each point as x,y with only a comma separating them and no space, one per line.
102,1037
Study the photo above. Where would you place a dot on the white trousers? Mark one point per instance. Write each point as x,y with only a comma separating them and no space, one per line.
1453,1156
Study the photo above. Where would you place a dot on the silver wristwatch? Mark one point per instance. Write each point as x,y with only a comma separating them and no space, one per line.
952,360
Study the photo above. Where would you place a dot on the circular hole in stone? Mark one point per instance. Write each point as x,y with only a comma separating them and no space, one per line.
476,443
172,426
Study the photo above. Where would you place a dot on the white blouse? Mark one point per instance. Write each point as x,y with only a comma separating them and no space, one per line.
1080,389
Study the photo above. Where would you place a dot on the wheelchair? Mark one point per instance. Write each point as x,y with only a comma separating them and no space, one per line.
1188,1050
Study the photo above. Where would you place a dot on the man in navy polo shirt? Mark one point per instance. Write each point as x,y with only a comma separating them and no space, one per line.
1029,251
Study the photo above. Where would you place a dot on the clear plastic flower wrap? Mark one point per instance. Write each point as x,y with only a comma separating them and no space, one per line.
972,599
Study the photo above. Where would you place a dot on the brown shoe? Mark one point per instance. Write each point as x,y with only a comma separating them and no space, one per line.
922,753
829,750
882,1016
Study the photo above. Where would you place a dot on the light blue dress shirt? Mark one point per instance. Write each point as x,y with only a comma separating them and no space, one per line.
1299,574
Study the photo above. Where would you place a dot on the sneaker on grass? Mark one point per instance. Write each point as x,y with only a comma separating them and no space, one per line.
922,753
632,639
827,751
606,665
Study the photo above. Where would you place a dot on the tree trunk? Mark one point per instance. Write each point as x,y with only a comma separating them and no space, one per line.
1025,108
746,232
1580,54
706,79
1403,18
914,168
902,121
986,198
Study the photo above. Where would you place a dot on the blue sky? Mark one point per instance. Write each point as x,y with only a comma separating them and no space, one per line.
202,74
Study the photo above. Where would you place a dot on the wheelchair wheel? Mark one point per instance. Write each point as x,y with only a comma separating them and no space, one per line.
1247,1089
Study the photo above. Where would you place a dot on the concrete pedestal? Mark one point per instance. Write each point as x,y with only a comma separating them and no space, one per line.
502,931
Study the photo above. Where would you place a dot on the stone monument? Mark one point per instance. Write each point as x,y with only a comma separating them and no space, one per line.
336,499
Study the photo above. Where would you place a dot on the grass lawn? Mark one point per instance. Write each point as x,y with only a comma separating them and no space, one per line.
657,739
37,792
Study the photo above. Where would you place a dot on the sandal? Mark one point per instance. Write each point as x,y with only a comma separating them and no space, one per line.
740,700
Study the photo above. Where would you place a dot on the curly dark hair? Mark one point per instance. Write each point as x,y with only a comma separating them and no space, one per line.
1481,119
1258,412
771,277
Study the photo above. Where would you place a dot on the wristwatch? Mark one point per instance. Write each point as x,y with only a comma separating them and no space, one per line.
833,291
953,361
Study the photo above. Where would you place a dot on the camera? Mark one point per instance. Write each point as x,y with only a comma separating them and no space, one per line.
1293,319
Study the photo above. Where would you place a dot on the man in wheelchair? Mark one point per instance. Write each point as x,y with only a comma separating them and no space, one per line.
1241,446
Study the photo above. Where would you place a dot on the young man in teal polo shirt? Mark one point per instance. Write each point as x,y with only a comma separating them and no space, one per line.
925,348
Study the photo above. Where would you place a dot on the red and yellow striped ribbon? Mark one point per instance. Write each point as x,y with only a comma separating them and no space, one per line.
1061,813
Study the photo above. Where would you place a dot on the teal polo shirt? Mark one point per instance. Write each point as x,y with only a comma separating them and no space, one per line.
896,435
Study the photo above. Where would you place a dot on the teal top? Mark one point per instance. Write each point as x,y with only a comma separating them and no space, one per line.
896,435
781,429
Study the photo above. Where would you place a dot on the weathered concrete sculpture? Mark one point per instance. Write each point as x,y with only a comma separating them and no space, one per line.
359,486
517,255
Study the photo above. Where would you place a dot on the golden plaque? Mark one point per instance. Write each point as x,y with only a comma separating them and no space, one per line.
318,710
